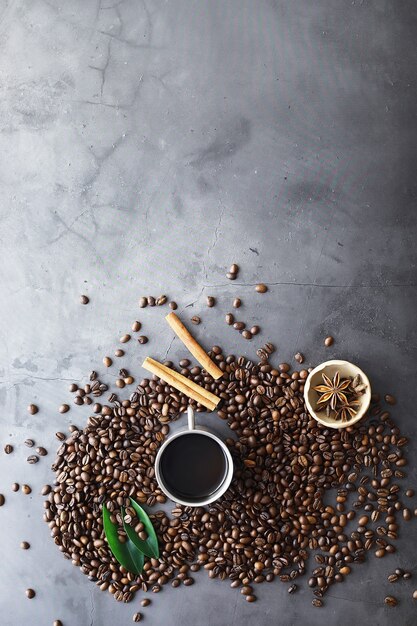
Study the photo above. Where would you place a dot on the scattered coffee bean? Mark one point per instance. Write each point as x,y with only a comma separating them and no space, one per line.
392,578
120,383
409,493
261,288
145,602
229,317
15,487
2,499
239,325
234,268
26,489
211,301
188,581
250,598
24,545
129,380
407,575
237,302
137,617
32,459
407,515
143,302
136,326
151,301
292,589
33,409
107,361
196,319
57,622
173,306
391,601
78,400
30,593
255,330
246,334
8,448
161,300
73,387
299,357
125,338
97,407
389,399
142,339
119,352
41,451
415,594
317,602
60,436
269,347
29,443
45,490
329,341
64,408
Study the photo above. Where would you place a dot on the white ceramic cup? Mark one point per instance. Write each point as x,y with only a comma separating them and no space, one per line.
189,432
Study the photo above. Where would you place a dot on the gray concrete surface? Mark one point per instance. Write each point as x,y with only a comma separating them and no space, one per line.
147,144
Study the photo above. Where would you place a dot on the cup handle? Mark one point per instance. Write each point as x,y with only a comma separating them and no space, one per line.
191,418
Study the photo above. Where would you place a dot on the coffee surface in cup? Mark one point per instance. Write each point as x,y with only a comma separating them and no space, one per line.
193,466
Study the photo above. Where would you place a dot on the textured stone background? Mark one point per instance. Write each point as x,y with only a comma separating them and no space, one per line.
144,146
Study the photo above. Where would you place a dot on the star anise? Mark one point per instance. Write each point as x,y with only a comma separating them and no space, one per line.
346,411
331,393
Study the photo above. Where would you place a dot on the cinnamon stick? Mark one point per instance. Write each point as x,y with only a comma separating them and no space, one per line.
181,383
193,346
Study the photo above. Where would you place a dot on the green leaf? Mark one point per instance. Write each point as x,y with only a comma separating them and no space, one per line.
127,554
149,546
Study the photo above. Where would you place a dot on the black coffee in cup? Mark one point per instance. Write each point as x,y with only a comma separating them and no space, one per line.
193,466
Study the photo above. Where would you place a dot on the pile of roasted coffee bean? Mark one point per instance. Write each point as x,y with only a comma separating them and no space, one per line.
276,513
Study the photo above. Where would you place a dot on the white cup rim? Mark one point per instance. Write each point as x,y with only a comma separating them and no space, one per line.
221,489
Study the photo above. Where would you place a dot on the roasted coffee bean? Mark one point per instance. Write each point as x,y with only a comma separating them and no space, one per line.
145,602
211,301
246,334
136,326
173,306
161,300
196,319
32,459
234,268
407,575
292,589
2,499
15,487
24,545
84,299
255,330
392,578
125,338
329,341
237,302
391,601
64,408
107,361
26,489
407,515
137,617
29,443
8,448
299,357
58,435
142,339
261,288
317,602
231,276
119,352
41,451
45,490
409,493
32,409
415,594
73,387
57,622
151,301
120,383
143,302
239,325
229,318
30,593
